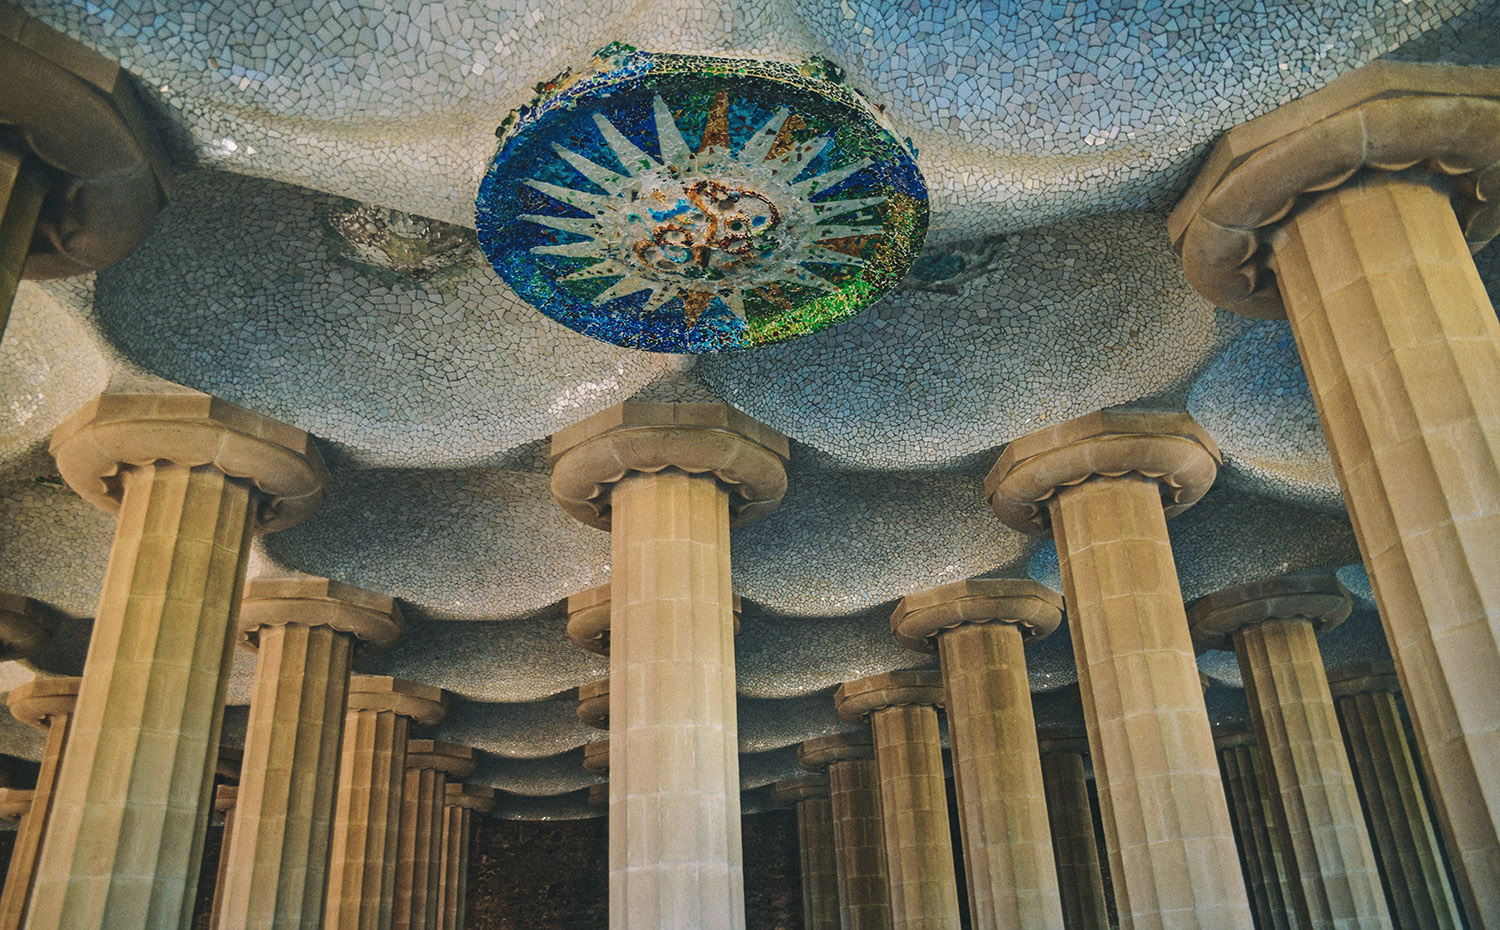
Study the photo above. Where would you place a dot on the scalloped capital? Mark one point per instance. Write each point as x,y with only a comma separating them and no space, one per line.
817,754
588,619
856,700
39,700
591,457
470,797
1438,120
1168,446
372,619
1364,678
451,759
920,618
15,803
596,757
424,704
1058,740
593,704
115,432
25,627
1319,599
801,788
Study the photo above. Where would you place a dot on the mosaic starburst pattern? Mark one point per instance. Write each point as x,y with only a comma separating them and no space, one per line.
690,204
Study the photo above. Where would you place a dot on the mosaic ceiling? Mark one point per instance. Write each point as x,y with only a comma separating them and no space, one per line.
319,264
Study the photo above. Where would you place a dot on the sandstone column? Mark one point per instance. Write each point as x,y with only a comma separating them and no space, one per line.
367,813
858,842
191,478
306,631
1266,876
902,711
820,881
81,175
1354,212
461,803
1104,484
1406,848
981,627
1272,627
1079,878
226,798
419,885
47,703
668,481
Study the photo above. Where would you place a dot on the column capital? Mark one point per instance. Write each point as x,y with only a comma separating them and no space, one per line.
1032,607
1441,120
588,618
1319,599
599,796
815,755
424,704
230,761
37,701
856,700
1364,678
115,432
469,797
25,627
789,791
1168,446
1058,740
75,111
225,798
15,803
591,457
596,757
372,619
451,759
593,704
1229,737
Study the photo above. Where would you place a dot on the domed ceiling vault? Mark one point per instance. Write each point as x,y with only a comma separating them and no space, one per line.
318,264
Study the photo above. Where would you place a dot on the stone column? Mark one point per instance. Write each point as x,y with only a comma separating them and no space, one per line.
1103,485
47,703
901,708
1406,847
226,799
668,481
1354,212
820,881
981,627
1272,627
306,631
419,885
1266,877
461,802
367,812
191,479
1076,851
858,842
81,175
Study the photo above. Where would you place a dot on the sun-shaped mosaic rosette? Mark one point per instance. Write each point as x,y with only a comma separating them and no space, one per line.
692,204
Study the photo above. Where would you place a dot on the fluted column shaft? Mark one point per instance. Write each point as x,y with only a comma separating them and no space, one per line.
454,870
367,813
126,832
1406,848
1171,846
1308,778
1012,879
226,798
674,812
1266,877
858,845
21,875
914,809
820,884
419,850
1402,350
1080,880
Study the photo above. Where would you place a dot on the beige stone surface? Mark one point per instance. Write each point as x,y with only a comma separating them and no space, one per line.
424,799
858,844
48,703
820,881
1080,880
588,619
1401,827
593,704
368,809
226,800
1266,876
461,801
596,757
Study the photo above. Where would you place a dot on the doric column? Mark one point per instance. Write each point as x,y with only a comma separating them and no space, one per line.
191,479
367,812
1354,212
1266,877
47,703
588,619
1406,847
81,176
980,628
901,708
1272,627
226,799
1103,485
668,481
858,841
1079,877
306,631
419,885
461,801
808,795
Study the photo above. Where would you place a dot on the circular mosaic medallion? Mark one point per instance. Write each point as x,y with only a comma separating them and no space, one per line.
692,204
